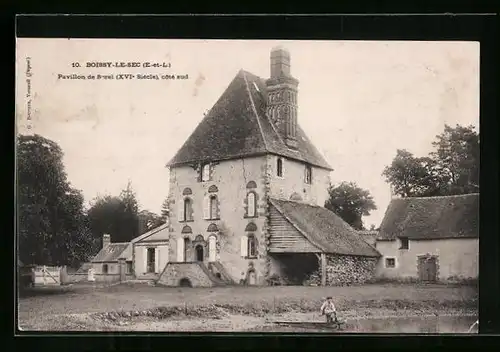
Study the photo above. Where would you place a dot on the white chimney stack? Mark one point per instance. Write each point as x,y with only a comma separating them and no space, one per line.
106,240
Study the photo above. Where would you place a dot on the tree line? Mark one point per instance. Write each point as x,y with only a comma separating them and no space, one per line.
452,168
55,228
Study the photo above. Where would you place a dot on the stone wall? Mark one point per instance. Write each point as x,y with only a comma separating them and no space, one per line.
456,257
175,272
232,180
345,270
292,181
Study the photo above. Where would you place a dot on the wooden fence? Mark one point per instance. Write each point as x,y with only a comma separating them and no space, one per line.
47,275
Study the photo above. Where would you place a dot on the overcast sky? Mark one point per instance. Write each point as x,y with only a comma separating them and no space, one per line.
358,103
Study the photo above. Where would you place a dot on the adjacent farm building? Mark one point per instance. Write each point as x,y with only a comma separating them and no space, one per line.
150,253
112,260
430,239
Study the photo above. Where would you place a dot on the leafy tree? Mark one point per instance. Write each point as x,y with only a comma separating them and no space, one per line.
52,226
149,220
411,176
457,153
453,168
116,216
165,210
130,222
350,202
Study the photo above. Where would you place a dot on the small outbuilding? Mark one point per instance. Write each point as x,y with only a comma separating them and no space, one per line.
430,239
150,253
108,262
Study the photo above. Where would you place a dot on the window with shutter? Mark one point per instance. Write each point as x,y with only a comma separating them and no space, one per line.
206,207
279,167
205,173
244,246
308,174
151,260
214,211
251,204
252,246
188,209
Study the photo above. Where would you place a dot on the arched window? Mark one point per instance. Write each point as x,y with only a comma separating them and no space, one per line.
214,211
308,174
211,208
105,268
251,204
252,246
251,185
279,167
188,209
186,229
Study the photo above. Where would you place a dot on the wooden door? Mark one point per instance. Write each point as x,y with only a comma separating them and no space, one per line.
151,260
428,269
199,253
252,278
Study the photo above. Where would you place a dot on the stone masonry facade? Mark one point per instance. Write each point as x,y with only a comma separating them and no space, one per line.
342,270
175,272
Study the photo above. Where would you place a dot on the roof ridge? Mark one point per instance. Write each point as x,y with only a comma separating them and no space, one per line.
298,202
254,108
439,197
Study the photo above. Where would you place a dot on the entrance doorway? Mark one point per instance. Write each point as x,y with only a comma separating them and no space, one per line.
186,247
151,260
199,253
427,268
252,278
185,282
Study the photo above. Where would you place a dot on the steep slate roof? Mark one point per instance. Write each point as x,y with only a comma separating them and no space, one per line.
324,229
432,218
237,126
112,252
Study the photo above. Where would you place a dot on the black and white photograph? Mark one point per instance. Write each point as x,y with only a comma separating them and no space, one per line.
182,185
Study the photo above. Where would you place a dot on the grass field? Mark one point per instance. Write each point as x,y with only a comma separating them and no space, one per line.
48,305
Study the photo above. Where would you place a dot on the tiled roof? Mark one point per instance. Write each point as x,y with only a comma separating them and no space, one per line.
237,126
324,229
112,252
432,218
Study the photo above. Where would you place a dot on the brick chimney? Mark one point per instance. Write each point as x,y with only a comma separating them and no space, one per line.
282,96
106,240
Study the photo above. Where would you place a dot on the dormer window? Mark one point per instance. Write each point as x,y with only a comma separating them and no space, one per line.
279,167
308,175
205,172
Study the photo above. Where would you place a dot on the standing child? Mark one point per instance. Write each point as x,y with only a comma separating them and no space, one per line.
328,309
